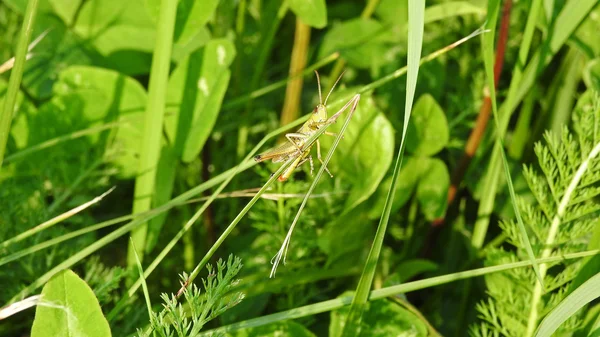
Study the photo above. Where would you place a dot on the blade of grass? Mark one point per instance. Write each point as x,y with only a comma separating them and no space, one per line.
65,237
584,294
141,273
53,221
416,14
153,123
488,58
329,305
54,141
16,75
8,65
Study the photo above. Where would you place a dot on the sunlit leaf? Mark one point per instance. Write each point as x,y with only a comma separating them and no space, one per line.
195,93
107,96
311,12
428,129
70,309
360,42
432,190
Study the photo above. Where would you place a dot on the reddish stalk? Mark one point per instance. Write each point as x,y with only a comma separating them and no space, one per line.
484,114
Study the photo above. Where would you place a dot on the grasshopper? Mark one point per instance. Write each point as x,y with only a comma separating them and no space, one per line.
297,140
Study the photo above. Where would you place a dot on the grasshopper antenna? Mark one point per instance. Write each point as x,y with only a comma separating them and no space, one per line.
319,85
330,91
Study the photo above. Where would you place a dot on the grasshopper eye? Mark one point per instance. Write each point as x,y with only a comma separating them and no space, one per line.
315,109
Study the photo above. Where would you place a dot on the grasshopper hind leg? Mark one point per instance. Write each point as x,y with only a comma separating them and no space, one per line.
320,159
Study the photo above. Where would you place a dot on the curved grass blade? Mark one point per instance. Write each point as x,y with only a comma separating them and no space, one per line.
416,15
584,294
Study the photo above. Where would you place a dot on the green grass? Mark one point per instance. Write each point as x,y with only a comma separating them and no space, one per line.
168,102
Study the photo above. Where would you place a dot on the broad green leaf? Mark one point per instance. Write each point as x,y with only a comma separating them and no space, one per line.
311,12
121,31
345,237
587,33
432,190
407,181
383,318
107,96
61,48
428,130
195,93
365,154
360,42
286,328
581,296
65,9
393,11
70,309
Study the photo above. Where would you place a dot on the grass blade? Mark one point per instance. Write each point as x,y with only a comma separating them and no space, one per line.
16,75
153,123
416,14
584,294
53,221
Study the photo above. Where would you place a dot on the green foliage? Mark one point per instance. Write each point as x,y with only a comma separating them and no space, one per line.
69,308
312,13
559,221
79,116
180,321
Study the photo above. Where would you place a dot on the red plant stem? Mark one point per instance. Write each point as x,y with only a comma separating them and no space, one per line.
484,113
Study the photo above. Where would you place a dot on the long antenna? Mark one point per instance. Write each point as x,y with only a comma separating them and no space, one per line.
336,82
319,84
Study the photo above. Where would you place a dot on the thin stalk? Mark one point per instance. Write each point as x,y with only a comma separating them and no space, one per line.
291,103
55,141
53,221
16,75
340,302
153,124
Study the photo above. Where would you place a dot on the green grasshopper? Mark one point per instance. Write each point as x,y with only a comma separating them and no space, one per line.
297,140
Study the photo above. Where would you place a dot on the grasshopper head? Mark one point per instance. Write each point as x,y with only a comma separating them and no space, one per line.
319,113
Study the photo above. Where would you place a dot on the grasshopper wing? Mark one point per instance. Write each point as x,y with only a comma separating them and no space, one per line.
278,154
